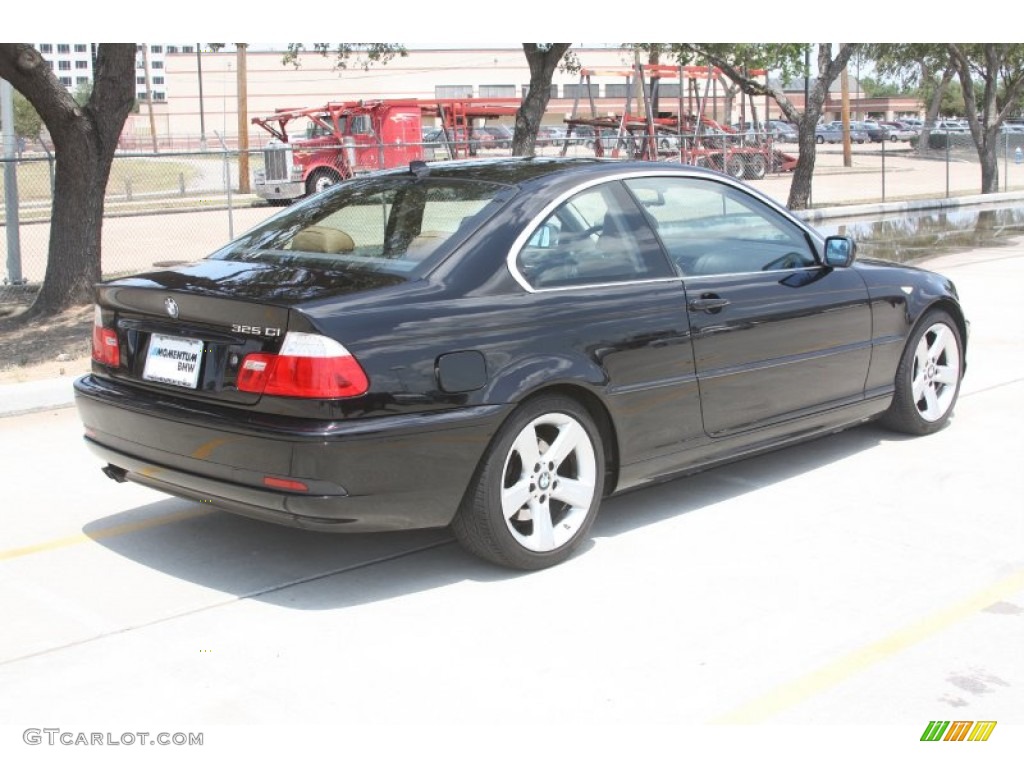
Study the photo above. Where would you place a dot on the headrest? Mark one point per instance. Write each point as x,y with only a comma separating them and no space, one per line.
323,240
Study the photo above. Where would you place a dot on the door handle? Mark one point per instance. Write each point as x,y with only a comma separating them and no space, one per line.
711,303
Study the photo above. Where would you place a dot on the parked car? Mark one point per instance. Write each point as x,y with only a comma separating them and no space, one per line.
898,131
494,136
777,130
783,132
874,131
833,133
497,345
950,126
551,135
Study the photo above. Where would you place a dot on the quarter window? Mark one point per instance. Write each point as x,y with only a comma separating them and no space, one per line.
709,228
597,236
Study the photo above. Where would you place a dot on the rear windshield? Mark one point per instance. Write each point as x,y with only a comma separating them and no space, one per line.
393,224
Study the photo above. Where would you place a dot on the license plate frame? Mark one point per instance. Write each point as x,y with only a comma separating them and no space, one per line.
173,360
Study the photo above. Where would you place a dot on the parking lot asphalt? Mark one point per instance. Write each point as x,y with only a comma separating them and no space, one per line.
827,601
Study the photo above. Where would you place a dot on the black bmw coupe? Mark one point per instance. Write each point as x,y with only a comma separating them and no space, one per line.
497,345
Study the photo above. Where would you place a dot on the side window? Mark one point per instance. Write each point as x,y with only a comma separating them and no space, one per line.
710,228
597,236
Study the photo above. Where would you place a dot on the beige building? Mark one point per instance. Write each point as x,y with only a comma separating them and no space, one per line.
493,73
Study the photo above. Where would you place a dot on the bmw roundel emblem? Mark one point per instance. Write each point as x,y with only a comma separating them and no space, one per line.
172,307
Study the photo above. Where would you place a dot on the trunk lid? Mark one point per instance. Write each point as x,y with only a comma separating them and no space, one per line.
187,330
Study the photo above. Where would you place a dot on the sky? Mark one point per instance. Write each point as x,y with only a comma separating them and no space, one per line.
423,25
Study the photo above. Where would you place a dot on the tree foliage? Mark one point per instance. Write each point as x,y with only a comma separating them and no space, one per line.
27,122
362,55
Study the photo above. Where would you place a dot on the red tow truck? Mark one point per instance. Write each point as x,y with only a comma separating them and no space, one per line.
344,139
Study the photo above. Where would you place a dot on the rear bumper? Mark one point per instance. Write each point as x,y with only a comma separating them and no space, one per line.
387,473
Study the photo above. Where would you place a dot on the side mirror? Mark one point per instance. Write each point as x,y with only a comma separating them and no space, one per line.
840,251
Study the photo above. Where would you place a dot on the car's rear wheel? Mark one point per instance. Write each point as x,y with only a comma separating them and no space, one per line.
537,490
928,377
819,139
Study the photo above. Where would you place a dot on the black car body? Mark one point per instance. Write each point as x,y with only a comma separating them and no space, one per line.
409,350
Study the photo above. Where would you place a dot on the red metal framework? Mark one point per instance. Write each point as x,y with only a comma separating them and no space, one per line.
686,134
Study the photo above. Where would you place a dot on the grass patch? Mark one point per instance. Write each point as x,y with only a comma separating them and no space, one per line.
144,175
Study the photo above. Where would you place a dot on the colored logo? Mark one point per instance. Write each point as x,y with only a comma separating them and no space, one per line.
958,730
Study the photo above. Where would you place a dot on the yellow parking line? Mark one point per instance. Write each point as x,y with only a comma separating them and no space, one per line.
102,533
791,694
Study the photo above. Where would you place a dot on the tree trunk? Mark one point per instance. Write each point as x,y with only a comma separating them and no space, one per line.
933,108
542,62
989,157
84,140
803,173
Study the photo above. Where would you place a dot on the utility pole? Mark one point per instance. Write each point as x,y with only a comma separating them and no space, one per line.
202,114
149,96
844,80
243,121
10,183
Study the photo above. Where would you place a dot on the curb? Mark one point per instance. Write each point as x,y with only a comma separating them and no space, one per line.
31,396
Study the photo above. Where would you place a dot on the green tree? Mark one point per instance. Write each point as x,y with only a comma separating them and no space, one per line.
927,66
987,71
991,77
788,59
363,55
84,139
27,122
82,93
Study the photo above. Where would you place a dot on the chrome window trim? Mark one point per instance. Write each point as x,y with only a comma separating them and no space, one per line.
695,173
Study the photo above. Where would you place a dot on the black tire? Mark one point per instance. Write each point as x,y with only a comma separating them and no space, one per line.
321,179
736,166
510,537
819,139
757,167
935,347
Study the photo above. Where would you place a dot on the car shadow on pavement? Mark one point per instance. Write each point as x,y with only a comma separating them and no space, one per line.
308,570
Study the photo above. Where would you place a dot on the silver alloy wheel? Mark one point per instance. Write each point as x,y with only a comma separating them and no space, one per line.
936,372
548,482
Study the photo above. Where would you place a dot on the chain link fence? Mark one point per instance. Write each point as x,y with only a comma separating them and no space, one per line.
168,208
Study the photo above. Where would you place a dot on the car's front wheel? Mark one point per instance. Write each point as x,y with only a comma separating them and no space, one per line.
928,377
537,490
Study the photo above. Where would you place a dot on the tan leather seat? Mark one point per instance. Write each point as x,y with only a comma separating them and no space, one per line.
319,239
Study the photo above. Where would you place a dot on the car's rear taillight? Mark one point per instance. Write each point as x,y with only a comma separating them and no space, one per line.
308,365
105,348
